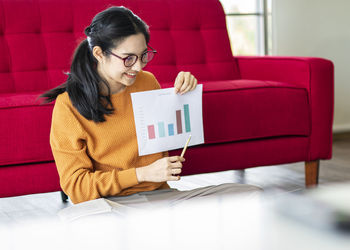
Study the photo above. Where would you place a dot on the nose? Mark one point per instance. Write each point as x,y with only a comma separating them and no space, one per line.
138,65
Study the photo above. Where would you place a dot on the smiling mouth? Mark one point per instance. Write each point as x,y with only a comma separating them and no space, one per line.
131,75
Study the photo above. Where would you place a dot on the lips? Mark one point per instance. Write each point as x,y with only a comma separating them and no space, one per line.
131,75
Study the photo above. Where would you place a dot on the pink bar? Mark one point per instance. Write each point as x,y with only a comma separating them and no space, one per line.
151,133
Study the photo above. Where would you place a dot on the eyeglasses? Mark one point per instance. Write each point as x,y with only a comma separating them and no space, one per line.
129,61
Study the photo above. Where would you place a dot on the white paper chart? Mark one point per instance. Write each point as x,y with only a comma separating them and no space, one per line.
164,120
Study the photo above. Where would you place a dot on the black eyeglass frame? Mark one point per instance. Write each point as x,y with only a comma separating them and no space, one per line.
137,57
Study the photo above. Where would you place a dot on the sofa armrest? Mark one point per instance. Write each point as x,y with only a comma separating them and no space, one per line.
316,75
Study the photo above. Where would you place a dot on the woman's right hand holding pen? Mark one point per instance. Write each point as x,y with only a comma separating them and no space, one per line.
164,169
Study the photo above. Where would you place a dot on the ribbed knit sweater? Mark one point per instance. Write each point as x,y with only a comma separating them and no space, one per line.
99,159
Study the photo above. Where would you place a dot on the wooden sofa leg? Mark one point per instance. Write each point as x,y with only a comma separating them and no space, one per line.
311,173
64,197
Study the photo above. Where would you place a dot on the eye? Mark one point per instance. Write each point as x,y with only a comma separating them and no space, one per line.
147,56
130,60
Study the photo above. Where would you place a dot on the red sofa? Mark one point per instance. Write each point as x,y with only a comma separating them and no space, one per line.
257,110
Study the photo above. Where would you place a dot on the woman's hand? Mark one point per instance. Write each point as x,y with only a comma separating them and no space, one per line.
165,169
185,82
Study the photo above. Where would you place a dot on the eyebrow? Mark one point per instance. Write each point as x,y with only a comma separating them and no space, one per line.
131,54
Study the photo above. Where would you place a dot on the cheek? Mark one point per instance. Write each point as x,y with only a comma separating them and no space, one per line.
115,72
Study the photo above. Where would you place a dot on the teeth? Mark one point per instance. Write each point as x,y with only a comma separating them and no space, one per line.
131,74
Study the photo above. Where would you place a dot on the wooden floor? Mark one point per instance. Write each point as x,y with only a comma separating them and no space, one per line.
276,180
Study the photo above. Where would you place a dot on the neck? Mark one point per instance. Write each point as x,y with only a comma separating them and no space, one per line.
113,89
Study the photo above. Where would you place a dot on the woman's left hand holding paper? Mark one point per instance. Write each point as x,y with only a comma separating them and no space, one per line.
185,82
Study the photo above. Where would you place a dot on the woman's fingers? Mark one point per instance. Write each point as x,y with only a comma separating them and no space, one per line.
175,165
187,87
174,168
174,178
176,158
176,171
164,169
194,85
185,82
178,82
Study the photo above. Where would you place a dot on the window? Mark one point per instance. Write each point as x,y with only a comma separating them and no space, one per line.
248,26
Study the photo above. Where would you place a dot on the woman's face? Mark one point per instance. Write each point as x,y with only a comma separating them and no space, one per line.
112,68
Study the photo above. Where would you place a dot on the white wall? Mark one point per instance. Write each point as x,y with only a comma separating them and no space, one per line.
318,28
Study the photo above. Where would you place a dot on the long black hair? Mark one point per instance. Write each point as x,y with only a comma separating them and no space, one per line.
108,29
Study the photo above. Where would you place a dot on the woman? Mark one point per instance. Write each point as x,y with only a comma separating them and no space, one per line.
93,137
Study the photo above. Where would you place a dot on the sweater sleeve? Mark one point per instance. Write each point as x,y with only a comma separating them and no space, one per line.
78,178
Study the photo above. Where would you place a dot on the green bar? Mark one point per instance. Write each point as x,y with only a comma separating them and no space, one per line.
187,118
161,129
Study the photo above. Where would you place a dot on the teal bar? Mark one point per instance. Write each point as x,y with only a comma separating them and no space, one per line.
161,129
187,118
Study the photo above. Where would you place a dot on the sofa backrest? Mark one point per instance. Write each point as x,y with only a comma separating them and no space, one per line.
38,38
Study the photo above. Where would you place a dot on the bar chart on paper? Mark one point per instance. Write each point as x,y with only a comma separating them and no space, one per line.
164,120
161,125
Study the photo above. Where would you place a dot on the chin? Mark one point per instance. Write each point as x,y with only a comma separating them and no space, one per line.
129,82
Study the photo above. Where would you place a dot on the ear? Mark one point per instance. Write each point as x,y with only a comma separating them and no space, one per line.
98,53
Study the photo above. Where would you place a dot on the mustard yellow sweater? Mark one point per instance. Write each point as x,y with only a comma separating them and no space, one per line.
99,159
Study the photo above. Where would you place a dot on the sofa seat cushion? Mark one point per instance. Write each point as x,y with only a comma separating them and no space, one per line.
25,128
233,110
236,110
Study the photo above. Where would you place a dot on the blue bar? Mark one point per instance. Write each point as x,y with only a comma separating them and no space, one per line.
187,118
161,129
171,129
